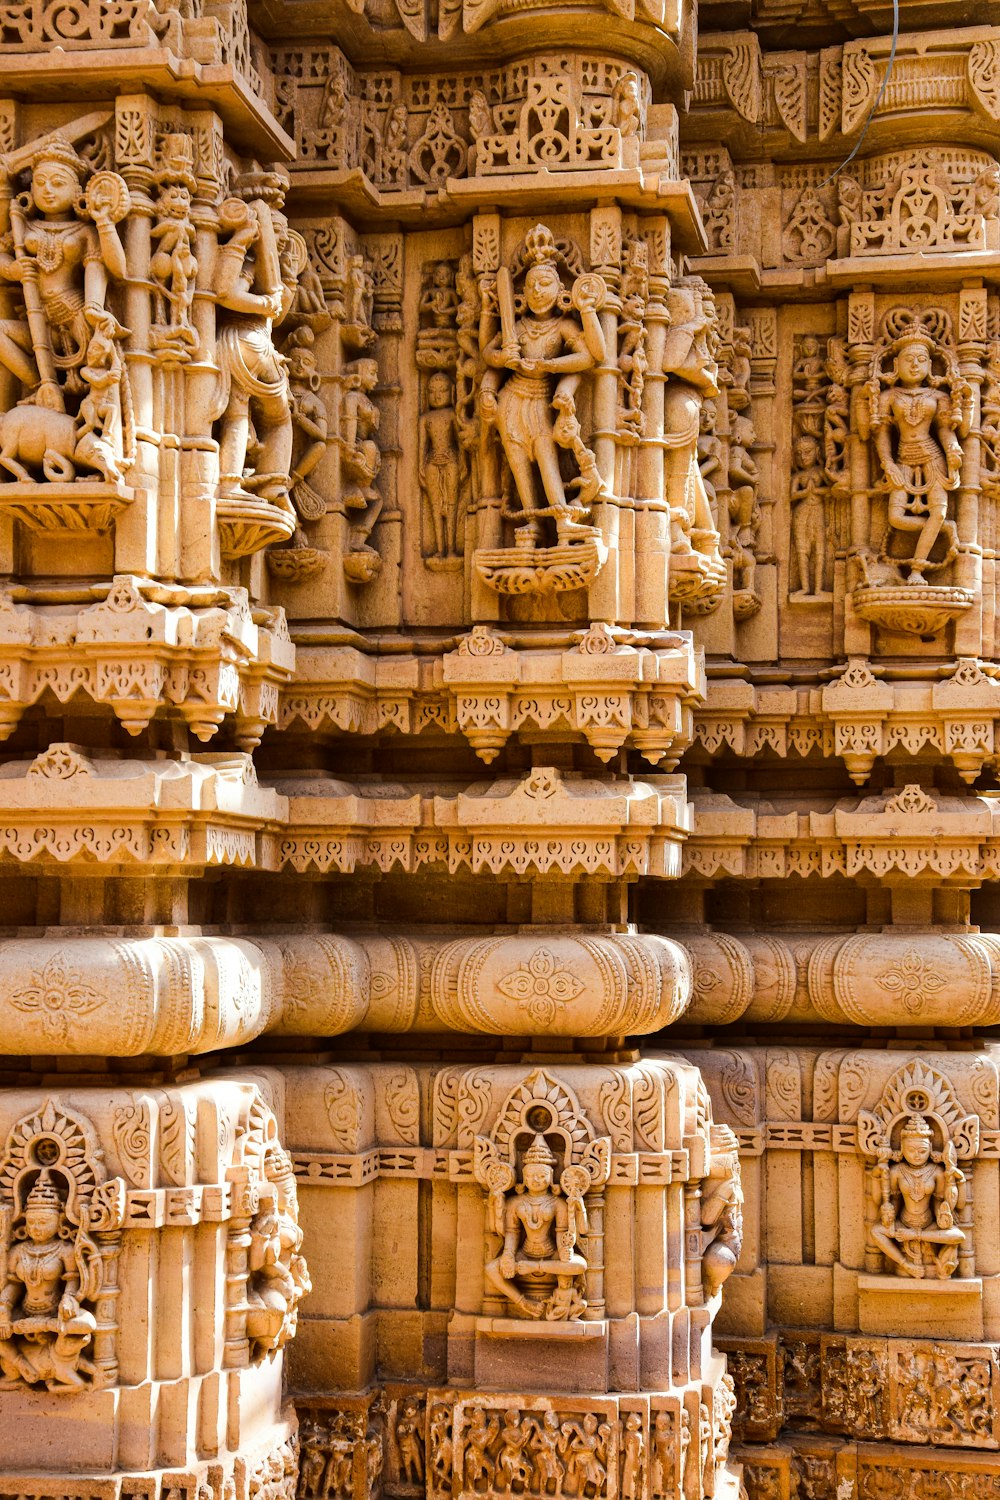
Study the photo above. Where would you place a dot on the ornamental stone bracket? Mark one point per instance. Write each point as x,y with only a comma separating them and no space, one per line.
860,717
214,52
610,688
897,836
607,829
69,808
148,650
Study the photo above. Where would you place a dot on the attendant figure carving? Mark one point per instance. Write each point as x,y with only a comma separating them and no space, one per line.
255,284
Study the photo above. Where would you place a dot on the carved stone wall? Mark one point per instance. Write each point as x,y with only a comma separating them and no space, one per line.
499,703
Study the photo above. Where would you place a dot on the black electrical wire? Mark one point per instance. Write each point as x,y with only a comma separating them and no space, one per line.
878,99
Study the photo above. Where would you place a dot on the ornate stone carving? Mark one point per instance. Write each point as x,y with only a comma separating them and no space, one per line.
277,1278
920,1200
534,365
540,1271
916,410
60,1223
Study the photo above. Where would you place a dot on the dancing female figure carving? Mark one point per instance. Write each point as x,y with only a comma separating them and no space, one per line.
545,352
917,418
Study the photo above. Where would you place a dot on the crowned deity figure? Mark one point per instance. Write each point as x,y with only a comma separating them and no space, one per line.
278,1275
917,1194
917,419
51,1270
62,248
256,281
539,1269
545,351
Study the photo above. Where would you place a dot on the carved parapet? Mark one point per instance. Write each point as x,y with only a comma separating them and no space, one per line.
859,717
897,837
609,691
206,659
593,828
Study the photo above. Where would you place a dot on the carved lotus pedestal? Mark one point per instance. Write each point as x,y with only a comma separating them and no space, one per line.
83,505
697,581
539,570
248,524
157,1229
920,609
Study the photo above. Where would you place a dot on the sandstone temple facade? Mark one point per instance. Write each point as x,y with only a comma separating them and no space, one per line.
500,715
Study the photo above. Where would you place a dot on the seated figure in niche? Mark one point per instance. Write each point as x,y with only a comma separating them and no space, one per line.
51,1270
917,1194
539,1269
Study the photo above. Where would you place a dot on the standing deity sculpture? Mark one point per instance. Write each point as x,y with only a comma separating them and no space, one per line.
62,252
917,416
808,499
913,413
535,363
254,287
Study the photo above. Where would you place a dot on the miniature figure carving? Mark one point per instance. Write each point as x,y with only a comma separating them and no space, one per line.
52,1273
310,424
539,1269
633,1457
719,212
513,1464
410,1442
633,360
545,352
361,461
278,1277
173,266
550,1471
586,1447
744,514
482,1435
255,287
917,1197
808,497
721,1211
440,464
